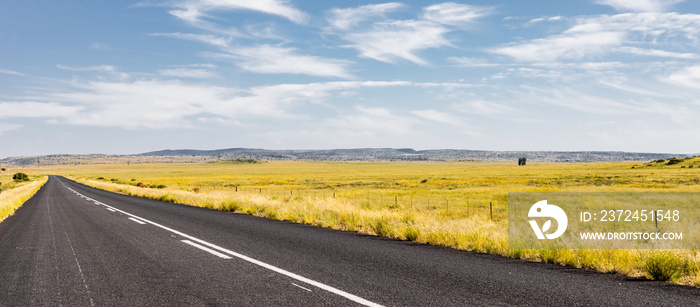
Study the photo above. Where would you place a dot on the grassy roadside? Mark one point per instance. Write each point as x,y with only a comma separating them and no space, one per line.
12,199
474,232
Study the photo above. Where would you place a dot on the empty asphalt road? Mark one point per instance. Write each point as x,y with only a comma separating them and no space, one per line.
71,245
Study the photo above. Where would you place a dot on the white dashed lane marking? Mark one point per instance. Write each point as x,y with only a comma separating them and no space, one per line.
206,249
138,221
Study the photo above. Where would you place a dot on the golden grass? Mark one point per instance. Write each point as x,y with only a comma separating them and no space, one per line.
12,199
431,202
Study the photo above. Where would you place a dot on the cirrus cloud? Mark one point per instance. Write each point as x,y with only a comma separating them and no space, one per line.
389,40
640,5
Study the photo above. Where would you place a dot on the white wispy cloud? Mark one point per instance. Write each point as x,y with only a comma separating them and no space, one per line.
647,26
100,46
398,39
34,109
269,58
485,108
347,18
188,73
109,71
210,39
278,60
359,126
605,105
172,103
557,47
103,68
541,19
473,62
388,40
593,36
658,53
689,77
372,121
437,116
640,5
588,66
193,11
148,104
10,72
5,127
455,14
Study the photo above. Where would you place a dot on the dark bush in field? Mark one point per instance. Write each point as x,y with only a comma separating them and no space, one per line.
673,161
20,177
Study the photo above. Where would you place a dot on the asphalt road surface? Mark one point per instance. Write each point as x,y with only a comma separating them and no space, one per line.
71,245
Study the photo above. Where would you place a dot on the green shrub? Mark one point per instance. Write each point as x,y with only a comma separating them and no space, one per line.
165,198
664,266
381,227
231,206
20,177
411,233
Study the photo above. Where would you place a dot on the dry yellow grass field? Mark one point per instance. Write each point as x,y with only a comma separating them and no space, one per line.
13,195
441,203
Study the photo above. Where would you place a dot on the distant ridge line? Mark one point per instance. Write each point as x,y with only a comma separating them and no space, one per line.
354,154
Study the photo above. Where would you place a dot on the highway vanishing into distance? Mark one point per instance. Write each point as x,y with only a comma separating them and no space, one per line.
72,245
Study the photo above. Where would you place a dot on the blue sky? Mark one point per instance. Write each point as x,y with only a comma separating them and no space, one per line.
127,76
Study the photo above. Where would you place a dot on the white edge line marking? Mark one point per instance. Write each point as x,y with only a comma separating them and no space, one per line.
270,267
206,249
307,289
110,209
137,221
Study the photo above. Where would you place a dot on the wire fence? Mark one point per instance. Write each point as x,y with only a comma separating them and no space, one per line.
376,199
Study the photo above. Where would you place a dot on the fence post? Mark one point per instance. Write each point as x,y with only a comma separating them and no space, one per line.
396,200
491,208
